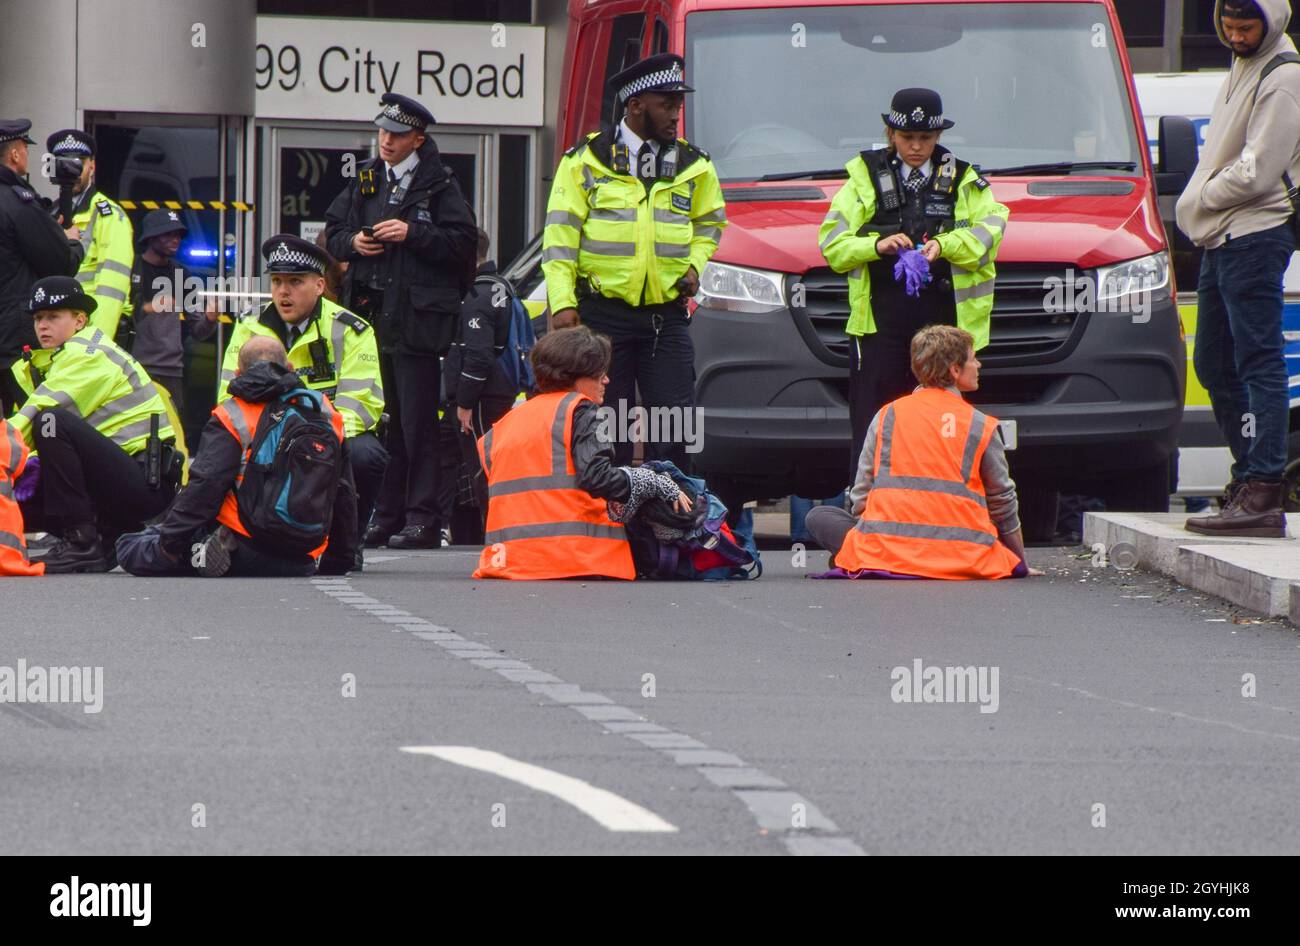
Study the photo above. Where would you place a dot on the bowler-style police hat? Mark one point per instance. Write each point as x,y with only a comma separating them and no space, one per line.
916,110
70,143
158,222
15,129
60,292
402,114
665,72
290,254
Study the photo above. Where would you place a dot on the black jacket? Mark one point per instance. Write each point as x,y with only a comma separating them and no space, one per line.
423,277
215,466
32,246
472,368
593,458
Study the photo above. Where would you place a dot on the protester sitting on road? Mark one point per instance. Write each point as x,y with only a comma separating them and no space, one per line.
204,532
550,473
13,546
933,496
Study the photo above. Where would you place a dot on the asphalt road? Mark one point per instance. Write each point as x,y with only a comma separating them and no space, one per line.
752,718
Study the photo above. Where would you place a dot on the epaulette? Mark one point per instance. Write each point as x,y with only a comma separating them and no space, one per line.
692,149
352,320
581,144
105,208
24,194
980,182
250,313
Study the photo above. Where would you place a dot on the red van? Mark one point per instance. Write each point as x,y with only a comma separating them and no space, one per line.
1085,364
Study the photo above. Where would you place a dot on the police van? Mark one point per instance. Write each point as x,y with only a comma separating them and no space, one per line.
1089,383
1204,459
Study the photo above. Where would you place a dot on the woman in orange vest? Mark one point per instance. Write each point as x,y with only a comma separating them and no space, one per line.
550,473
933,496
13,546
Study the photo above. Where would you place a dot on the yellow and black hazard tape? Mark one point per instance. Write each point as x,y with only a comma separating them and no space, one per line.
236,205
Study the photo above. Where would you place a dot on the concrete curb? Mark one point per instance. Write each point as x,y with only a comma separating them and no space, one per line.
1262,575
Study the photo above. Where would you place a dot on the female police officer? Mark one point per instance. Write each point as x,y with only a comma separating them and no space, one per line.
913,194
98,425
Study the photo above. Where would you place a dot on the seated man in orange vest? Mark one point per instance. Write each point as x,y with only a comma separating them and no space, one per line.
201,533
933,496
13,547
550,473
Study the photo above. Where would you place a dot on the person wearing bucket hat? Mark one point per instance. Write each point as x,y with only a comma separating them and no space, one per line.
106,441
158,318
909,205
105,232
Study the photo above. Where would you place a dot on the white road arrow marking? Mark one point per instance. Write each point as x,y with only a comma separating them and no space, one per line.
611,811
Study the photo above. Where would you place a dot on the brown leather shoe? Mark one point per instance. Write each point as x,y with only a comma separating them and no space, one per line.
1256,511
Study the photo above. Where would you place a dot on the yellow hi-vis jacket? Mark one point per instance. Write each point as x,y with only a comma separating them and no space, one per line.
101,383
602,226
972,248
105,271
344,363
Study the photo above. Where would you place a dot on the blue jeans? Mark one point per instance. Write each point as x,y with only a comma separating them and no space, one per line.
1239,348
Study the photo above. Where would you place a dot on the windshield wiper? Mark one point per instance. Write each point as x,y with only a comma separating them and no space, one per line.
1063,167
796,175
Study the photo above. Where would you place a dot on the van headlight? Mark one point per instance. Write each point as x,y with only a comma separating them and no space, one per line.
1147,274
739,289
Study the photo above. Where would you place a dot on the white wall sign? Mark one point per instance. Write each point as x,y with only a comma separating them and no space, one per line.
464,73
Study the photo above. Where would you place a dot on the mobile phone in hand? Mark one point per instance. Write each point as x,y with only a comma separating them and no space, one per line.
369,231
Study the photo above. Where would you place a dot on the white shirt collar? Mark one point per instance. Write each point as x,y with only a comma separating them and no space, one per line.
633,140
406,166
905,169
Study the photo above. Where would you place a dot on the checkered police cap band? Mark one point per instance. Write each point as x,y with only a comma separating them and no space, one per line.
285,257
398,114
663,77
71,145
918,116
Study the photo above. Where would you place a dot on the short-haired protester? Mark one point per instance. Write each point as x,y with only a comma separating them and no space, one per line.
550,473
933,496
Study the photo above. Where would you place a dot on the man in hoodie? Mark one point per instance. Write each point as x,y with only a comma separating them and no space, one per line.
1237,209
188,539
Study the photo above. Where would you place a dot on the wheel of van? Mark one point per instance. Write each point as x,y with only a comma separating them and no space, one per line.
1038,512
1144,490
1291,478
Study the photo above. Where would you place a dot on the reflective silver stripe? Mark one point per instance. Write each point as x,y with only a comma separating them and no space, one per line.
12,541
555,530
672,250
86,275
528,484
353,385
6,488
713,216
127,402
110,293
236,417
227,375
559,477
670,216
338,338
487,451
60,398
709,233
588,179
15,448
886,439
916,530
973,438
113,266
841,226
559,449
562,218
617,214
995,221
606,248
929,484
984,236
567,253
973,292
124,435
343,402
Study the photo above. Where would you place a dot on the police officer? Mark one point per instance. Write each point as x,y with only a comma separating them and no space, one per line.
100,429
105,233
332,350
31,246
634,214
409,238
913,194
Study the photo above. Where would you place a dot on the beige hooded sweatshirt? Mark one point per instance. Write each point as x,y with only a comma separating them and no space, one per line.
1237,188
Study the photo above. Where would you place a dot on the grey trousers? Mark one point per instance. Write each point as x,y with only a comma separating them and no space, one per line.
828,525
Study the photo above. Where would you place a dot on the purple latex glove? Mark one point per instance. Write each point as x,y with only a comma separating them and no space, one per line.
914,268
25,486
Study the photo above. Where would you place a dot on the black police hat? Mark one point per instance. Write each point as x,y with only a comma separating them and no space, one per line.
15,129
60,292
290,254
402,114
665,72
158,222
916,110
70,143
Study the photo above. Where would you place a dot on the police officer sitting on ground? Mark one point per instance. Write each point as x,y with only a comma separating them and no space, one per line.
105,232
636,191
31,247
331,349
201,532
91,418
157,297
408,236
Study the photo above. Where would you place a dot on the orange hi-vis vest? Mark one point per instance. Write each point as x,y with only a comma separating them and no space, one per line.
926,513
240,418
540,523
13,547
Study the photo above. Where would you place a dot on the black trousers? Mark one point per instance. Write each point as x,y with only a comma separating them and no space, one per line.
12,396
86,479
369,461
463,473
653,354
408,495
880,364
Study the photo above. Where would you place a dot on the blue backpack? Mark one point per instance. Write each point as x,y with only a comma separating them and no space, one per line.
519,341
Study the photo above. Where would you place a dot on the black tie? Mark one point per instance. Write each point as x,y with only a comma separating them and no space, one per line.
914,180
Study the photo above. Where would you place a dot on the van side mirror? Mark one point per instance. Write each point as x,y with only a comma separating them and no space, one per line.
1178,154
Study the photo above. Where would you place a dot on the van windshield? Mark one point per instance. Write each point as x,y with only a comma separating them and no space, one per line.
797,90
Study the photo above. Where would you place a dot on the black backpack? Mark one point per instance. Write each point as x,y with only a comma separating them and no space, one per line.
286,499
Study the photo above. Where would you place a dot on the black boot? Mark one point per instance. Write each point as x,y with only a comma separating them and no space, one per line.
1255,511
78,551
